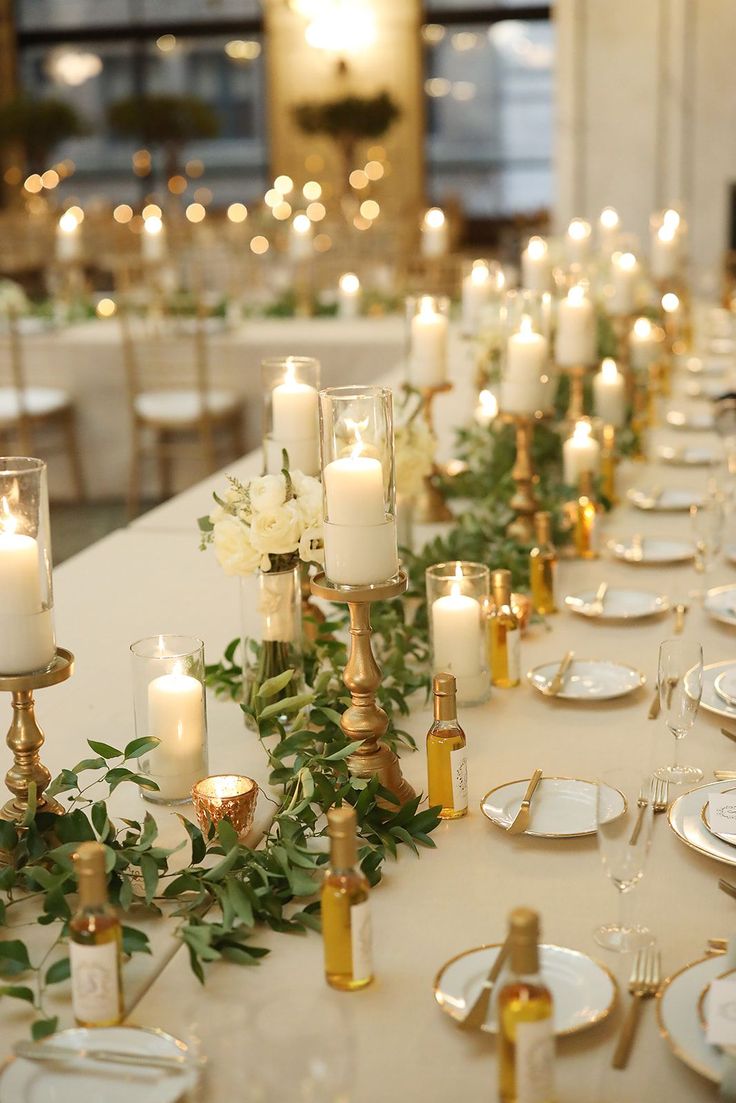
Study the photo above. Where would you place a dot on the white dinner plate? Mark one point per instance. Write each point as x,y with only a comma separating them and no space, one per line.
670,500
730,553
720,602
686,820
618,604
711,700
652,552
583,991
589,680
679,420
23,1081
678,1016
728,837
561,808
725,686
688,457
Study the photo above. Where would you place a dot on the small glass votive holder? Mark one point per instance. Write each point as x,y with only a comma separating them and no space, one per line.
357,443
170,705
428,321
27,641
457,595
230,797
290,413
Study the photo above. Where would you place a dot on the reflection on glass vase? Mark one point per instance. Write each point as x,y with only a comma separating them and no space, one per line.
271,608
405,521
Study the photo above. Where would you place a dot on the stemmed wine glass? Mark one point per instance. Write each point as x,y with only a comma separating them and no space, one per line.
624,830
680,681
707,525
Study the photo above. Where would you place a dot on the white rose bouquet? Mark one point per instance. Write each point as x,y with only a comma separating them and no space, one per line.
414,449
13,299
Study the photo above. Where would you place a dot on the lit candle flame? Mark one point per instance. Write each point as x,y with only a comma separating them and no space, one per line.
153,225
9,522
609,371
582,430
537,248
643,328
488,403
525,326
426,305
349,282
434,218
68,223
480,272
576,295
609,218
671,218
455,589
625,261
670,302
667,232
578,229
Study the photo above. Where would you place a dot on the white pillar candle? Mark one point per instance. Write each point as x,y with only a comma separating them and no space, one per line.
434,237
536,270
295,406
354,491
303,455
300,238
26,627
624,283
348,296
176,718
577,241
487,409
360,540
665,252
476,294
609,226
580,454
456,634
643,344
68,242
609,394
428,350
153,239
522,388
575,342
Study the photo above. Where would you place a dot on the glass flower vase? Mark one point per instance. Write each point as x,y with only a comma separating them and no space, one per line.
271,608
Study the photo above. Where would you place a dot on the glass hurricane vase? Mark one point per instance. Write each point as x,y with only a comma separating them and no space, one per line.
271,609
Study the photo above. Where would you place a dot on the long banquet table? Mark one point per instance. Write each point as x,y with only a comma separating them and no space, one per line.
152,578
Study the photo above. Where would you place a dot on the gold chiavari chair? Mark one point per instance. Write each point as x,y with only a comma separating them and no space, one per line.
35,420
174,411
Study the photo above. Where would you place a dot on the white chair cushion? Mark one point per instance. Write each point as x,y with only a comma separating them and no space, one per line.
37,401
178,407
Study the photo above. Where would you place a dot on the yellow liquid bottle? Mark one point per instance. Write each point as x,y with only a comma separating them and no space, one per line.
346,917
95,940
525,1018
447,763
543,566
504,634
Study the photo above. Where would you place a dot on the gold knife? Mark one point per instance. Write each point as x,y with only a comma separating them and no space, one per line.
680,610
520,821
476,1016
724,775
727,887
558,682
595,609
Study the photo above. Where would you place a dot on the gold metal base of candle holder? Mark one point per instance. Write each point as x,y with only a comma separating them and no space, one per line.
609,465
524,503
576,402
431,507
364,718
25,737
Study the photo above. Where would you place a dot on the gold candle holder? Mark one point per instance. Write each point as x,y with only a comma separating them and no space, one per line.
640,421
364,719
25,737
523,502
609,463
431,507
230,797
576,402
586,521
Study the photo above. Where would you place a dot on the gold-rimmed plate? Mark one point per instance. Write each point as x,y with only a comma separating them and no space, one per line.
686,820
652,552
619,604
720,603
710,699
678,1016
703,998
588,680
583,991
562,807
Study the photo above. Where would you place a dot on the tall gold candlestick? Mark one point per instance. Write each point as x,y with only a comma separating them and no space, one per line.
609,463
576,402
431,507
25,737
524,503
364,718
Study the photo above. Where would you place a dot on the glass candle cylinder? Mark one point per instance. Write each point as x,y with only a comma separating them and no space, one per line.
525,379
290,413
357,443
479,289
27,642
457,596
428,317
170,705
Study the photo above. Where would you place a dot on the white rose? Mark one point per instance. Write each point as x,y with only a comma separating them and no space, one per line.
308,553
309,499
267,493
276,531
233,548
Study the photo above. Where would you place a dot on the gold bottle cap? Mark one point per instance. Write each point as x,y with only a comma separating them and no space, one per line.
543,526
501,583
89,866
444,689
341,826
523,940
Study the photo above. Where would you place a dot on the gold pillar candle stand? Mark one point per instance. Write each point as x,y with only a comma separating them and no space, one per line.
431,507
576,402
524,503
364,719
25,737
609,464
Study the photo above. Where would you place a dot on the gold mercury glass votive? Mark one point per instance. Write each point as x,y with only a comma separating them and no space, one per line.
226,797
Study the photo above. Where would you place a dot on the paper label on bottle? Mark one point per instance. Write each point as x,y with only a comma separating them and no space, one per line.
95,996
361,937
513,651
721,1012
535,1062
459,771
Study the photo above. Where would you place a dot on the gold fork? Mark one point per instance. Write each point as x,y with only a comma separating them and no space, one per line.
644,983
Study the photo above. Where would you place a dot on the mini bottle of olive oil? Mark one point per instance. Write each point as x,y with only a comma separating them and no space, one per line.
95,940
543,566
346,917
526,1030
503,627
447,763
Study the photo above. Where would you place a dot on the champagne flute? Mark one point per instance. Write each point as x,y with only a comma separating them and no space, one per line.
680,681
707,526
624,838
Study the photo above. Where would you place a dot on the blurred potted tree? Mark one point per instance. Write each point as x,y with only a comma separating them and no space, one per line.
168,122
33,128
348,120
